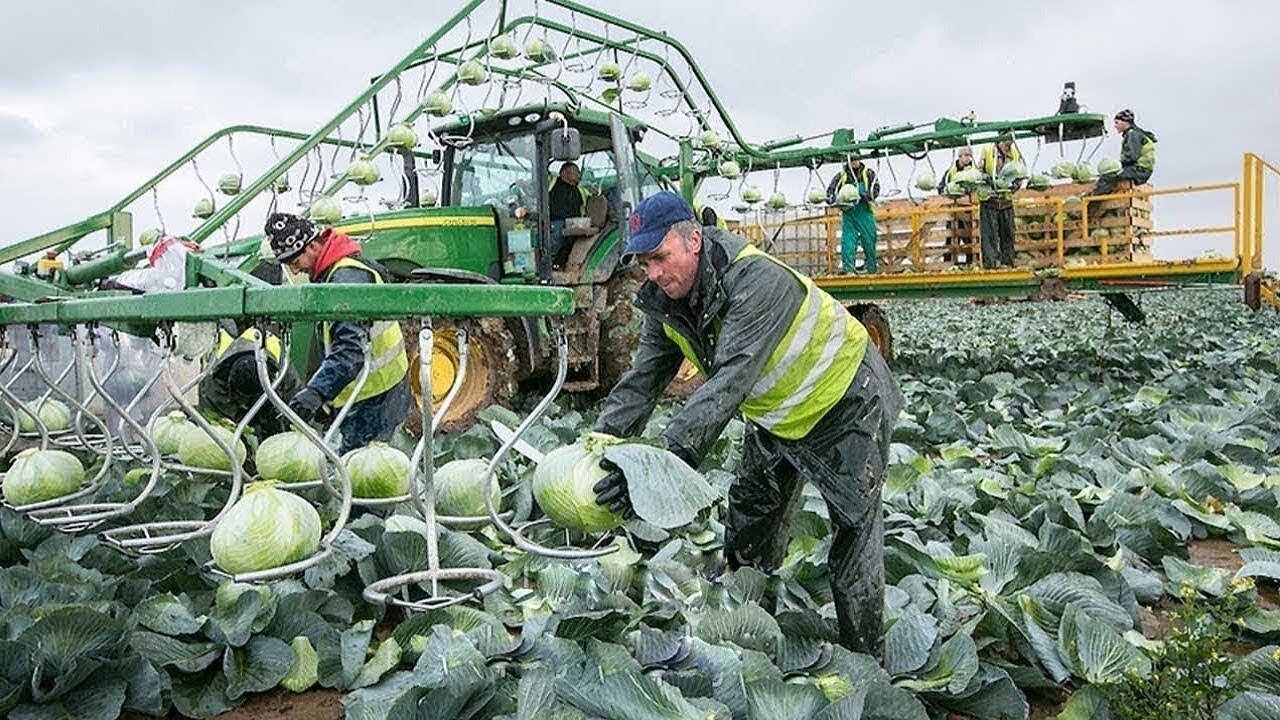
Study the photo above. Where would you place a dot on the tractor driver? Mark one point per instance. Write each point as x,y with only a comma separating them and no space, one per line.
328,256
818,399
566,199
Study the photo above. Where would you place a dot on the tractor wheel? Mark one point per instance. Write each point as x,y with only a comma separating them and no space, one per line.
620,326
877,326
490,374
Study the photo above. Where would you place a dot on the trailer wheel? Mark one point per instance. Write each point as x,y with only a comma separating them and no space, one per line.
877,326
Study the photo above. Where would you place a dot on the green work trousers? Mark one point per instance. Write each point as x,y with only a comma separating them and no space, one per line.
858,228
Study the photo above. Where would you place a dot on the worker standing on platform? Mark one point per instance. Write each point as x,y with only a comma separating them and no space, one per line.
383,402
819,401
1137,155
964,160
995,197
858,221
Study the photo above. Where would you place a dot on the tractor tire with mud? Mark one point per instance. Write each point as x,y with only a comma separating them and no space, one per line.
491,371
877,325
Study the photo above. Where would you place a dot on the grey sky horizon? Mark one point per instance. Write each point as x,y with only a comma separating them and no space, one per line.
96,96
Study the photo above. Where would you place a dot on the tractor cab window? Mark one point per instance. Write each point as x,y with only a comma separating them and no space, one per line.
498,173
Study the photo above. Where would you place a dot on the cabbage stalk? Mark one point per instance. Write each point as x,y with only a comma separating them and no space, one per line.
264,529
37,475
563,485
289,457
377,470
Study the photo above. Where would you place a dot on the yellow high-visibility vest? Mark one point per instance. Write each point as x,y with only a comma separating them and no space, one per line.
250,336
388,362
582,209
989,158
862,178
809,370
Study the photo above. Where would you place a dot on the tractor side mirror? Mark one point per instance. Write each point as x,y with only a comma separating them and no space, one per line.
566,144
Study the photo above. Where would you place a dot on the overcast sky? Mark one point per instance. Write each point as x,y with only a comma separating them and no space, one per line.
95,96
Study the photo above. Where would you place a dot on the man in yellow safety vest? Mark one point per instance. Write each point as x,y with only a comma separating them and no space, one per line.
383,402
995,206
817,397
1137,154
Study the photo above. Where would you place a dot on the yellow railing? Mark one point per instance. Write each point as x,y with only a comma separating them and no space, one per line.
936,235
1250,244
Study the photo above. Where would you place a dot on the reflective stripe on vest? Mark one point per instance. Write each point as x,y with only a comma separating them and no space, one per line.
989,158
225,341
389,364
809,370
582,209
1147,158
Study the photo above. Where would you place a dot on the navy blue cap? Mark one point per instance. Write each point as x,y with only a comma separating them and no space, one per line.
652,218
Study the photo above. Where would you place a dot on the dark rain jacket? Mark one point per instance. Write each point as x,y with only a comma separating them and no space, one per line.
1131,145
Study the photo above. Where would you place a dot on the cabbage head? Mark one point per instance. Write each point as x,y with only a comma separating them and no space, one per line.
289,457
402,136
968,178
730,169
563,482
751,194
609,71
1063,169
1014,170
427,198
197,449
281,184
264,529
229,184
926,181
472,72
504,47
204,208
954,190
326,210
538,50
167,430
848,194
37,475
640,81
439,104
709,140
1039,181
1082,173
1108,166
54,414
778,201
460,489
364,172
817,196
377,470
149,236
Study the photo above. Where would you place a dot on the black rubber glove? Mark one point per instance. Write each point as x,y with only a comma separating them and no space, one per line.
306,403
611,491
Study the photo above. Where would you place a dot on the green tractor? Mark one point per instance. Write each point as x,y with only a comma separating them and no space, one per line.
493,225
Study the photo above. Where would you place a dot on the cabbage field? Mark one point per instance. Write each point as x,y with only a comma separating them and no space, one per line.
1082,517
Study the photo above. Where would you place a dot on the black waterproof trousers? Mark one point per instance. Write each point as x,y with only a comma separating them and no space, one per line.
1107,183
845,456
995,216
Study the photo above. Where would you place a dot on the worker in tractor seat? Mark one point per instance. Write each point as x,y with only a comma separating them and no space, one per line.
328,256
566,199
232,387
1137,155
817,397
995,204
858,221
